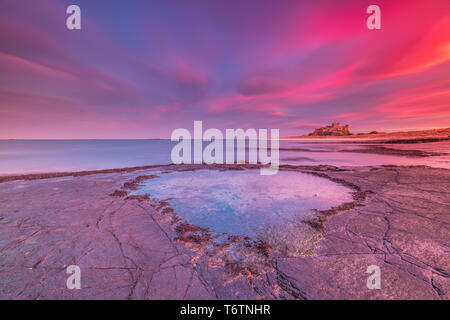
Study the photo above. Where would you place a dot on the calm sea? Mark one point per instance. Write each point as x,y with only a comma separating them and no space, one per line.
32,156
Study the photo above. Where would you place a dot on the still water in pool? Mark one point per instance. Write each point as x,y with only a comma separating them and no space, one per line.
244,203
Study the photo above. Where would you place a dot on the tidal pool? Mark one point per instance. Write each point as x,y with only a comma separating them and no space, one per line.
244,203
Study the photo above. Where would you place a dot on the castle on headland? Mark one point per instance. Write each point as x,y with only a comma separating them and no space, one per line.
334,130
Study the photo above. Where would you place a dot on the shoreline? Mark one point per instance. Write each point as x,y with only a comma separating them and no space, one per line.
382,150
352,139
366,146
416,136
52,175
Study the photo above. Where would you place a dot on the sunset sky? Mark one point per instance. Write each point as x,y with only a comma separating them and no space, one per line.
140,69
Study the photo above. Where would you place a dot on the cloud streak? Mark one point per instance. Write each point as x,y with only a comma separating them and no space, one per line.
143,69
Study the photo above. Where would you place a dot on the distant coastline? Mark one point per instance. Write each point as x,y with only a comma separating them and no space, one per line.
432,135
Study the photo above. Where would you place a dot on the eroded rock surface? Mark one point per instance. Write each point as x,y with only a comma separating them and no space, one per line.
137,248
403,228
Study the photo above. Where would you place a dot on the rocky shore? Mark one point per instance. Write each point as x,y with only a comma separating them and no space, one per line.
422,136
136,247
